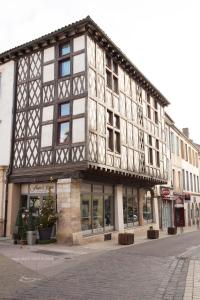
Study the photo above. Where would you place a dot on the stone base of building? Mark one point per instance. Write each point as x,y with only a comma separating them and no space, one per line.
1,227
82,214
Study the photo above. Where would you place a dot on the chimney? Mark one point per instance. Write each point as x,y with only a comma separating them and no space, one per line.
186,132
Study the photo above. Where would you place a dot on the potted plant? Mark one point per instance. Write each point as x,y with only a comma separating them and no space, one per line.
152,233
31,230
19,234
125,238
172,230
47,218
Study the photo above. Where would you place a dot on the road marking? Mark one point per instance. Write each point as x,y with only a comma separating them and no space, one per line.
28,279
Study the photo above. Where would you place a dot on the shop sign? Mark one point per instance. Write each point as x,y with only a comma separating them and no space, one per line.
42,188
166,194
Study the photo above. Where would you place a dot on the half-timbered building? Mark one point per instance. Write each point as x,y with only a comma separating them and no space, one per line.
89,124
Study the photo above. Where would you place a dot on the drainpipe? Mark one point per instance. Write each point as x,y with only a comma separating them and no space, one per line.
9,171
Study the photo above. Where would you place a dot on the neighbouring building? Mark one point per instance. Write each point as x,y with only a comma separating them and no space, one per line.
190,177
6,102
91,126
165,192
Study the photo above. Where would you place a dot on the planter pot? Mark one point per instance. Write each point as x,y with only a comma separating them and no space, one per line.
45,233
23,242
172,230
152,234
125,238
31,237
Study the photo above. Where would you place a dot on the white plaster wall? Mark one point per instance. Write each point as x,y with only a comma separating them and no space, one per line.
6,102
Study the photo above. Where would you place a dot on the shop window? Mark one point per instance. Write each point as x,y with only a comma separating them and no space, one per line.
130,207
148,208
97,208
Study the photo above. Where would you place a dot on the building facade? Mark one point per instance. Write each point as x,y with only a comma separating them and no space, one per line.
90,126
6,103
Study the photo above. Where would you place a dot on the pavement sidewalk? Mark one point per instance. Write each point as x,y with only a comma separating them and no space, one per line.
40,258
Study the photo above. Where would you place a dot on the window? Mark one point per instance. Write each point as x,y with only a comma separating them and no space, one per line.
63,132
109,117
149,111
182,150
64,64
150,140
183,175
177,146
156,117
191,182
173,178
187,179
108,62
115,84
109,79
179,179
97,208
195,185
113,132
150,156
110,139
64,109
116,121
157,159
64,49
112,74
186,152
130,207
148,208
190,155
64,68
117,141
172,142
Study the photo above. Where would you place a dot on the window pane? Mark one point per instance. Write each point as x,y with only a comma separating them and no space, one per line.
64,109
109,211
110,139
97,222
109,79
86,212
65,49
130,210
64,68
63,132
135,211
115,84
125,208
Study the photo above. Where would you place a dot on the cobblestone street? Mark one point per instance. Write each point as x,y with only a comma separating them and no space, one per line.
162,269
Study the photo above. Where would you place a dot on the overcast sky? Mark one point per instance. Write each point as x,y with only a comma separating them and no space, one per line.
161,37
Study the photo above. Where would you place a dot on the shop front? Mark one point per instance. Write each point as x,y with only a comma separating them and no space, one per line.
166,208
